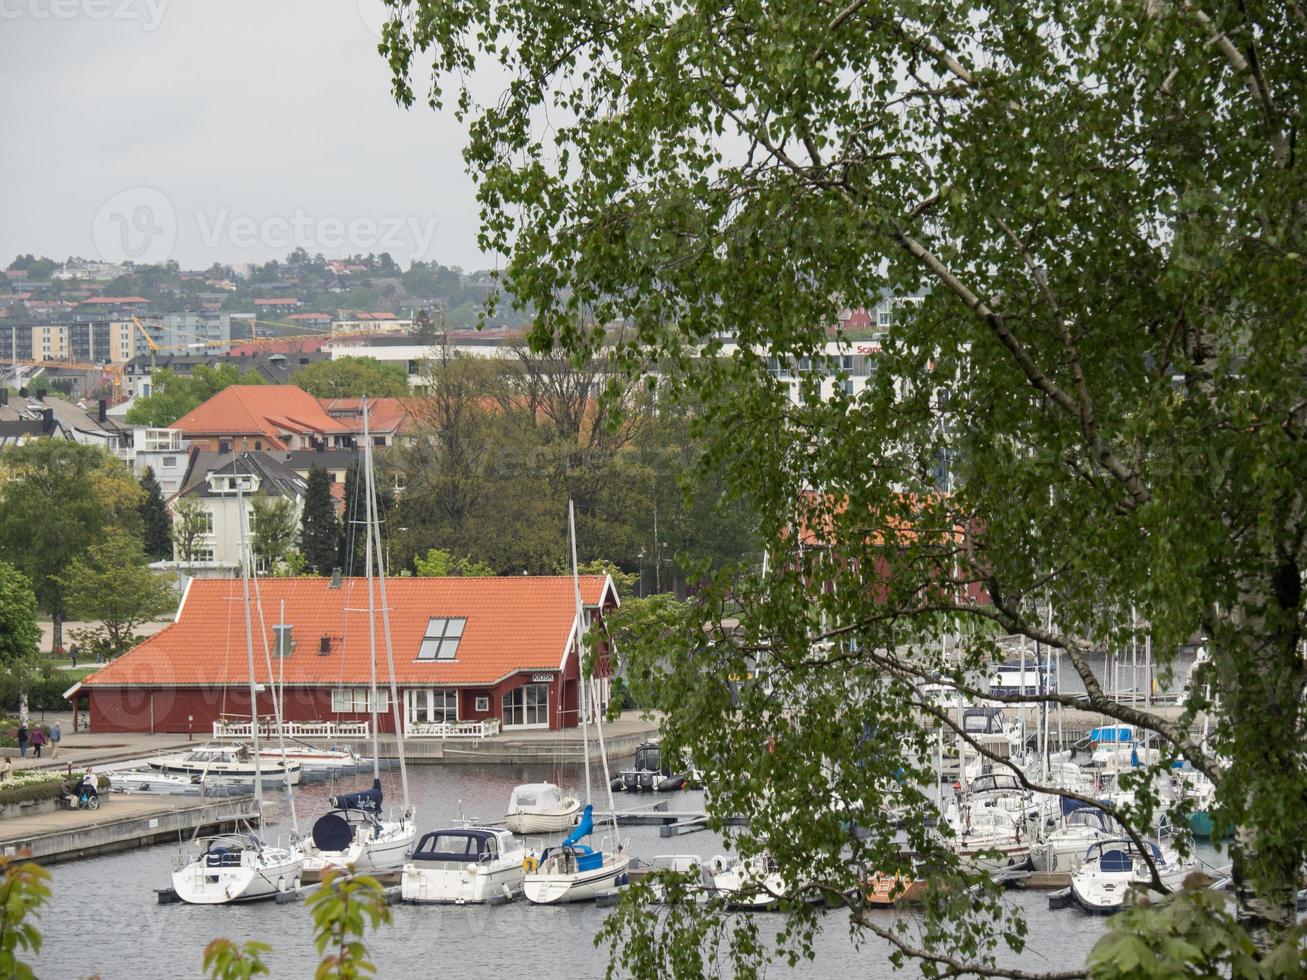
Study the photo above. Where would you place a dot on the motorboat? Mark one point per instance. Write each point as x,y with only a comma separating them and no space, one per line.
1064,849
541,808
895,890
754,884
355,835
314,760
228,761
1112,868
648,773
153,782
235,868
691,866
464,866
574,872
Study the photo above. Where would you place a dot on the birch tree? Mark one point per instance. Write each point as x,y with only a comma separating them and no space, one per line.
1091,217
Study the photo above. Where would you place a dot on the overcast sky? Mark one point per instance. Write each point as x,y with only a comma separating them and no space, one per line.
219,130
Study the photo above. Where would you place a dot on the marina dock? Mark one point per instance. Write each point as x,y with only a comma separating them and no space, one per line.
122,823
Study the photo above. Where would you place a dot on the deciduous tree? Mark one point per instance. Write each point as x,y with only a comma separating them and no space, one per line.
1082,229
56,500
19,633
190,524
353,377
274,527
112,586
174,395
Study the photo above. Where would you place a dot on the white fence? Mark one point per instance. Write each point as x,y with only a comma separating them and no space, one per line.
458,729
315,730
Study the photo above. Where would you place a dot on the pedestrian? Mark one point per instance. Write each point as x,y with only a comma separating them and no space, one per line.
56,736
72,654
37,739
22,741
6,769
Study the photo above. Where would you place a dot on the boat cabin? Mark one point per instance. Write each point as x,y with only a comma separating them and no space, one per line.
1090,818
536,798
996,782
1119,856
462,846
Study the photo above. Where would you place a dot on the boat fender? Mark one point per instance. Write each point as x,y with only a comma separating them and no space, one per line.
530,864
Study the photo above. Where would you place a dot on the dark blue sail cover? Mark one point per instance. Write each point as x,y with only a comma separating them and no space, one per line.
368,800
332,832
583,828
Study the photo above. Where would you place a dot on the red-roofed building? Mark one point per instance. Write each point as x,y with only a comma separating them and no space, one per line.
270,417
257,417
465,649
122,304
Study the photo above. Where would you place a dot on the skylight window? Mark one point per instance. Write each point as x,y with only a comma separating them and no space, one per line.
440,642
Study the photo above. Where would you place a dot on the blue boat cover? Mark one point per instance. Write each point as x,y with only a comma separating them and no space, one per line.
583,828
1112,733
364,799
1115,861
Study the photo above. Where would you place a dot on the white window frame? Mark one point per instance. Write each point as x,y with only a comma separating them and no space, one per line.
354,700
515,712
482,702
441,638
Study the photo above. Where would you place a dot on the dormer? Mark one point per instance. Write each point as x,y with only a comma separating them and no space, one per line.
224,483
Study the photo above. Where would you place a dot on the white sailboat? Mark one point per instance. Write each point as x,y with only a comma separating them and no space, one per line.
239,867
572,871
356,834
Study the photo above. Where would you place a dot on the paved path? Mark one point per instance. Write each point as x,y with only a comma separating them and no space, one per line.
88,748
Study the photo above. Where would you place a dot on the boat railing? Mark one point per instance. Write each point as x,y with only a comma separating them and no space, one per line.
459,729
312,730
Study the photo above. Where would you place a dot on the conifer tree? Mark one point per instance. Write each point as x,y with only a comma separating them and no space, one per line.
156,525
319,527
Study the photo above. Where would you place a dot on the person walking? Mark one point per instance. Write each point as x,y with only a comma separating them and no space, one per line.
22,741
37,740
56,736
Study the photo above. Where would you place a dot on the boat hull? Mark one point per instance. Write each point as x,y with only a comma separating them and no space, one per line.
526,822
582,886
448,883
256,878
386,851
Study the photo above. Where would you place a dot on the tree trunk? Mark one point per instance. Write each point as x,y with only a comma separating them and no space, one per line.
22,705
1262,690
57,633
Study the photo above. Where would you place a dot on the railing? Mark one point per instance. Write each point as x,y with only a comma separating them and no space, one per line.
315,730
458,729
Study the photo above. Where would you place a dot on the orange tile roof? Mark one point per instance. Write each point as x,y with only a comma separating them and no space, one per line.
264,409
384,414
114,299
514,623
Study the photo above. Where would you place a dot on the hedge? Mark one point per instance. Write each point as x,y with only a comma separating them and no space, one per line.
43,693
47,790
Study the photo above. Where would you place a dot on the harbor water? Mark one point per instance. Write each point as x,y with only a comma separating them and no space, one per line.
104,917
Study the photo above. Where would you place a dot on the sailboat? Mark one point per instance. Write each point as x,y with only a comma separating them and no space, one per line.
572,871
239,867
355,833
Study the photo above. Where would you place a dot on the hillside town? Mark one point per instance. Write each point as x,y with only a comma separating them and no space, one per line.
653,491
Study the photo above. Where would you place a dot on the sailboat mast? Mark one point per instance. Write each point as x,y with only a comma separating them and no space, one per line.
580,653
374,528
243,521
372,634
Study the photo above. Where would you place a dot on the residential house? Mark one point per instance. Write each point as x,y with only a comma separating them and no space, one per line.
165,451
221,483
501,651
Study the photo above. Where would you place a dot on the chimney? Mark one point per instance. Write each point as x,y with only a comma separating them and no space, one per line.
104,410
324,646
335,578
